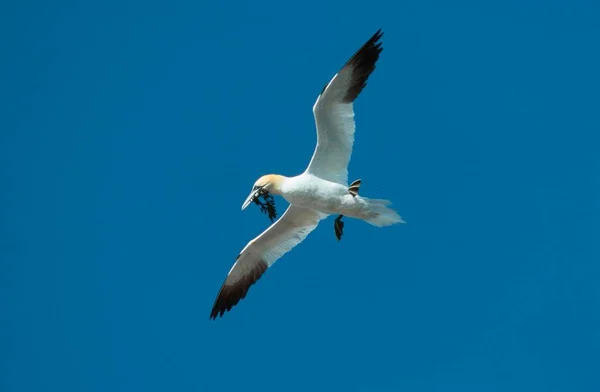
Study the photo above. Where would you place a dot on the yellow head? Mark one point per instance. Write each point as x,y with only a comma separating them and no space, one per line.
270,183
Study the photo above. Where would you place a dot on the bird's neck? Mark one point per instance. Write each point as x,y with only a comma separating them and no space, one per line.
278,182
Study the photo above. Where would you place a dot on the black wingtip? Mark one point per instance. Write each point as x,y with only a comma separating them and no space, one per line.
363,64
371,43
230,295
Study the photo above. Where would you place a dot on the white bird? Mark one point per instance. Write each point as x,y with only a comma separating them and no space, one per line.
320,191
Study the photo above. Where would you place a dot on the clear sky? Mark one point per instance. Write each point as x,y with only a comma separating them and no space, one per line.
132,131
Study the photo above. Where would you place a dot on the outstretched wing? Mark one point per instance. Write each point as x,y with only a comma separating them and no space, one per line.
334,114
262,252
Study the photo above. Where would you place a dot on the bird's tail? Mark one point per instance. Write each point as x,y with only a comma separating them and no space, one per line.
378,214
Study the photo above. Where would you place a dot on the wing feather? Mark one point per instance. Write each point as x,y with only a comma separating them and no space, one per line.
334,113
262,252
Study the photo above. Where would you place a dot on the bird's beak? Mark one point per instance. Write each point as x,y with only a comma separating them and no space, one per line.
249,199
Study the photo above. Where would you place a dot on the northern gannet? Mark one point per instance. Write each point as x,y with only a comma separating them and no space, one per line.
320,191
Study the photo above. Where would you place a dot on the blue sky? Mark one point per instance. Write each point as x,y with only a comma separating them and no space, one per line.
131,132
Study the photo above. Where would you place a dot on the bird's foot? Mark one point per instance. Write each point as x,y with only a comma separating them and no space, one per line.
354,187
338,227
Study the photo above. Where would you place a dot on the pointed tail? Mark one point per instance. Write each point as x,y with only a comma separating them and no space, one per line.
378,214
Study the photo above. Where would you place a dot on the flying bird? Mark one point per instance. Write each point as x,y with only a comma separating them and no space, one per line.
320,191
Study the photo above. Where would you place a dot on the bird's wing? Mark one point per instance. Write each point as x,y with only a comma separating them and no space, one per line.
262,252
334,113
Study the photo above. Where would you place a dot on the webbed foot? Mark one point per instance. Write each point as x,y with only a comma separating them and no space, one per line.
354,187
338,227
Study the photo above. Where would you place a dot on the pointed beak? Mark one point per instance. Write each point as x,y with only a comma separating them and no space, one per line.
249,199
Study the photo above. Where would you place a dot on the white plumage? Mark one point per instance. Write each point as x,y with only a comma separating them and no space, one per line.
318,192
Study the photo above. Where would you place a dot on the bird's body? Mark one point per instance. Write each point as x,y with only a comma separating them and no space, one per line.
320,191
310,191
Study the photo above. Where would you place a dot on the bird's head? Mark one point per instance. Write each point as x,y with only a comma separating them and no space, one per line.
265,187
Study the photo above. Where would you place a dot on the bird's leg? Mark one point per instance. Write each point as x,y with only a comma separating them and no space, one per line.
338,225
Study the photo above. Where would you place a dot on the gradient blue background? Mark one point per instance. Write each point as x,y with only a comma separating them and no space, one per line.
131,132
